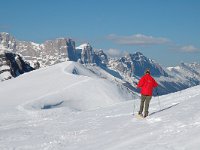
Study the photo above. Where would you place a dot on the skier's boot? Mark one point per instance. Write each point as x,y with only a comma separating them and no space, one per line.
146,114
140,114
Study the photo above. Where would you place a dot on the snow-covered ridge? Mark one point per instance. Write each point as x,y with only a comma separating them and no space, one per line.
70,83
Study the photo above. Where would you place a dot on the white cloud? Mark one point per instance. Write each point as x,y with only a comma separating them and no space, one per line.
138,39
189,48
115,52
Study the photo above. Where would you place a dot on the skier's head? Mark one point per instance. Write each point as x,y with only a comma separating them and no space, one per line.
147,71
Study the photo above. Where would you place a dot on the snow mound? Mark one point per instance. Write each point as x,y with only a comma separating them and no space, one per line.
84,95
68,85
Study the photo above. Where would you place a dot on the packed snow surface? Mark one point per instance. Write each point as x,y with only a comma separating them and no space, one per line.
67,107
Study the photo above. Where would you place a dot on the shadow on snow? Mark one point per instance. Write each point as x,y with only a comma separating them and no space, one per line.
50,106
163,109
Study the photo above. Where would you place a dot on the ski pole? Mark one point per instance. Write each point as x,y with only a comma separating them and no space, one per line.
134,99
134,104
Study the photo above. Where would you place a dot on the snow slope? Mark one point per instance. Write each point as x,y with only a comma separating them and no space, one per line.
68,107
68,82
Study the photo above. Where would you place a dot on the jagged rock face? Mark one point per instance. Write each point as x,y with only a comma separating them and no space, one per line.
12,65
120,66
7,41
58,50
5,70
48,53
52,51
188,72
136,64
28,49
141,63
71,50
195,66
61,48
86,53
100,58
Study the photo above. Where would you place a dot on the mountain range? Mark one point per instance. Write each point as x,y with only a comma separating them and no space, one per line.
18,57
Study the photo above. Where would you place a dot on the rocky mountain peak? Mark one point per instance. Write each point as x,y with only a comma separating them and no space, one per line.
7,41
86,53
12,65
137,63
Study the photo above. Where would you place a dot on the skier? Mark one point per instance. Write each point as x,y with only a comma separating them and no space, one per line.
146,83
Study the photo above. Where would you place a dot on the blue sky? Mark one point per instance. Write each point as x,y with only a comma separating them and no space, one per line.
164,30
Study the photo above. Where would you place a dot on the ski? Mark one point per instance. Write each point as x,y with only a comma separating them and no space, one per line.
138,116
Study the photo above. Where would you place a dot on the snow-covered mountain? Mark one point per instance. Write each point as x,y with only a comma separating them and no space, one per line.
69,107
48,53
171,79
7,41
180,77
86,53
128,69
185,71
136,64
51,51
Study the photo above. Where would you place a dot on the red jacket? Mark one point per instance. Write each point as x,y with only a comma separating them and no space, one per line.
147,83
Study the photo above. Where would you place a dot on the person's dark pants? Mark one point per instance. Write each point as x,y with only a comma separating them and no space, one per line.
145,100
